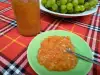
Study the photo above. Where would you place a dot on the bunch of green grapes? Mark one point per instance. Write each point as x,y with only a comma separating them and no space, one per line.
69,6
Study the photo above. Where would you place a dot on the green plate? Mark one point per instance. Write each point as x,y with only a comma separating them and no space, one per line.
82,68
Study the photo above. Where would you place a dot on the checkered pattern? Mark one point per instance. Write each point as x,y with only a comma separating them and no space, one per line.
13,46
12,67
11,24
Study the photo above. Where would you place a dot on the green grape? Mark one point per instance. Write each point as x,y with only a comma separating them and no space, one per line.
87,5
64,11
77,8
82,7
48,5
69,6
63,7
69,1
58,2
63,2
71,11
93,3
75,2
81,1
52,1
55,7
44,2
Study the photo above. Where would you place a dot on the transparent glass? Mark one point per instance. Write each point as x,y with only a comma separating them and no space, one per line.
27,13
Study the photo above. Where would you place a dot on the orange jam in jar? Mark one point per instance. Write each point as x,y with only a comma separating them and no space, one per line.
27,13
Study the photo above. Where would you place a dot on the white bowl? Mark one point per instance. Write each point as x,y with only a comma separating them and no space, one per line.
93,10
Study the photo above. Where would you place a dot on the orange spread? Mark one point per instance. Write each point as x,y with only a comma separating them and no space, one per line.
52,54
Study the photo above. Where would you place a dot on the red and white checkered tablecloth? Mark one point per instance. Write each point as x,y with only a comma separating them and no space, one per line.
13,46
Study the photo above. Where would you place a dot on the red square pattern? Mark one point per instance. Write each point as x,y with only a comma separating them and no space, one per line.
3,5
9,14
48,18
44,25
62,28
25,40
13,33
98,38
80,30
2,24
45,22
91,43
98,46
65,25
13,50
3,42
98,70
85,19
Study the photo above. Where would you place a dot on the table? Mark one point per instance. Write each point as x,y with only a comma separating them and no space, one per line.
13,46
